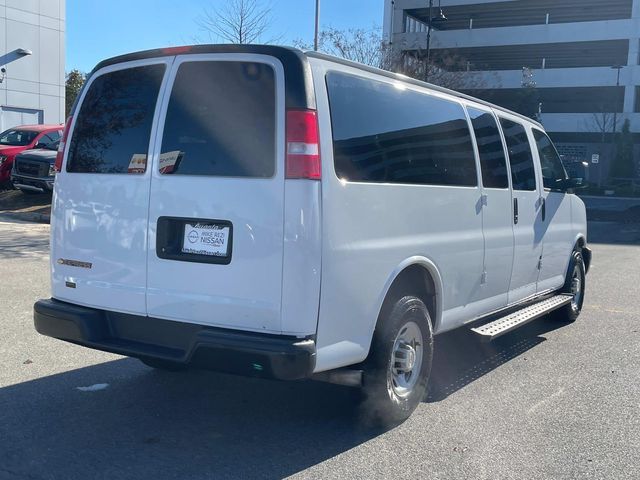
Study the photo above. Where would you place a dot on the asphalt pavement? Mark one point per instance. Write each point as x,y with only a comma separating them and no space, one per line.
546,401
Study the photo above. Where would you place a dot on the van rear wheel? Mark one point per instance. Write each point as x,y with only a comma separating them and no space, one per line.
399,363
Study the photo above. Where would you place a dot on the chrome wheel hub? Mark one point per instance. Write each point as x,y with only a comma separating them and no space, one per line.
406,359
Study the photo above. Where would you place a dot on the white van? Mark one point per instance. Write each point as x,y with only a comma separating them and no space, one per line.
268,212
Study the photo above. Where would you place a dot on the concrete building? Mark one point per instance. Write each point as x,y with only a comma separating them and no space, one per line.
570,47
32,43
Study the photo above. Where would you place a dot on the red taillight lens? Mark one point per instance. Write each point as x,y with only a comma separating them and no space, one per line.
63,142
303,148
176,50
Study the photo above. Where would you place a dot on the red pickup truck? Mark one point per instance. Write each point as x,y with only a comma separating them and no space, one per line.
26,137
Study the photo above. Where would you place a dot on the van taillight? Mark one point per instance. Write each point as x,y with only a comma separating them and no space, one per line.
176,50
303,149
63,142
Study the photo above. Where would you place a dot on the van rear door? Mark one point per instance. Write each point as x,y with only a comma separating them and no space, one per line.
215,247
101,198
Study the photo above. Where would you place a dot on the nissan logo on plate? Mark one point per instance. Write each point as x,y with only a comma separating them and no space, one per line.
193,236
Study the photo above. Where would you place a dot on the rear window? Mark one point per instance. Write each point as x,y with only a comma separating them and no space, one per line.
50,140
221,121
389,134
17,138
111,133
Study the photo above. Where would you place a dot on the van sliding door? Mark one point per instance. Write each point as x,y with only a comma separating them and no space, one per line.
526,211
497,219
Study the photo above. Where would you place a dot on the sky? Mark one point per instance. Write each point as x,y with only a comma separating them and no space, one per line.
98,29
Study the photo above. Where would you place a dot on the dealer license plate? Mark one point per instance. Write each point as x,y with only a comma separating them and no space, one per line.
206,239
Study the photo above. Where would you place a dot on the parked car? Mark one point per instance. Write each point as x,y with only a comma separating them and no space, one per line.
34,170
268,212
19,139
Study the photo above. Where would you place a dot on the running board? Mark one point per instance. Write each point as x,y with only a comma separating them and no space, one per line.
521,317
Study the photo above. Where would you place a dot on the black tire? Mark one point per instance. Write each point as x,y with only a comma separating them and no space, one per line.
7,185
382,404
570,313
166,365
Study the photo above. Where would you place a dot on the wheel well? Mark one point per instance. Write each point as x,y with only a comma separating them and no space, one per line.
417,281
586,253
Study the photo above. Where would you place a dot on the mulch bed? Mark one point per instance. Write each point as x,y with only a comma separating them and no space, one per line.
14,201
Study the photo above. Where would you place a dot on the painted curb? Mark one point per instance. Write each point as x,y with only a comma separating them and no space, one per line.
27,216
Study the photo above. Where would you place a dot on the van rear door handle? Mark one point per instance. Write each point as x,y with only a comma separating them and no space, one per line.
515,211
544,209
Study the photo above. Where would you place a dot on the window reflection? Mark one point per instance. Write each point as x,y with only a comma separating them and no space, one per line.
112,130
384,134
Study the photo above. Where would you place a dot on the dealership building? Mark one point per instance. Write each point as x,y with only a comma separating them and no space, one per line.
32,42
583,56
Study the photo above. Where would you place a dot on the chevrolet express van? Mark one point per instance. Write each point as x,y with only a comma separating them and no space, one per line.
268,212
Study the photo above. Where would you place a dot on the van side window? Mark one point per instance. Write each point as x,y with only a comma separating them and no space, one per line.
553,172
492,158
114,123
221,121
523,174
390,134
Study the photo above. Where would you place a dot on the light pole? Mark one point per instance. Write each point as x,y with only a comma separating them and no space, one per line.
615,111
429,38
439,18
315,35
615,127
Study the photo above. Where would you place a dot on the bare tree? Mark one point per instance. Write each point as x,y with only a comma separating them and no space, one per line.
356,44
600,122
238,21
445,68
368,47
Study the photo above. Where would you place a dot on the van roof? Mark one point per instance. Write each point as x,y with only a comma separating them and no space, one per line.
297,70
404,78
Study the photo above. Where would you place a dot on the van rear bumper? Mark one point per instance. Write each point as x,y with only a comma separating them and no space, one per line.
224,350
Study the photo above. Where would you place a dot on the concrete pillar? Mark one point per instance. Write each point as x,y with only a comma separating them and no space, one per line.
397,18
629,90
633,60
386,22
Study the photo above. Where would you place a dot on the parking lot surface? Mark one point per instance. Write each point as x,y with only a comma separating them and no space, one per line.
546,401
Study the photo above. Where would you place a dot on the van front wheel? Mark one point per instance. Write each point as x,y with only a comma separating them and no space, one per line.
574,286
399,363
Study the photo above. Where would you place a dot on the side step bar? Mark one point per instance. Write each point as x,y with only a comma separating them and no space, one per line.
521,317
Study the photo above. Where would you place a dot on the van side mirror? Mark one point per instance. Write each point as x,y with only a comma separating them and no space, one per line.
573,184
